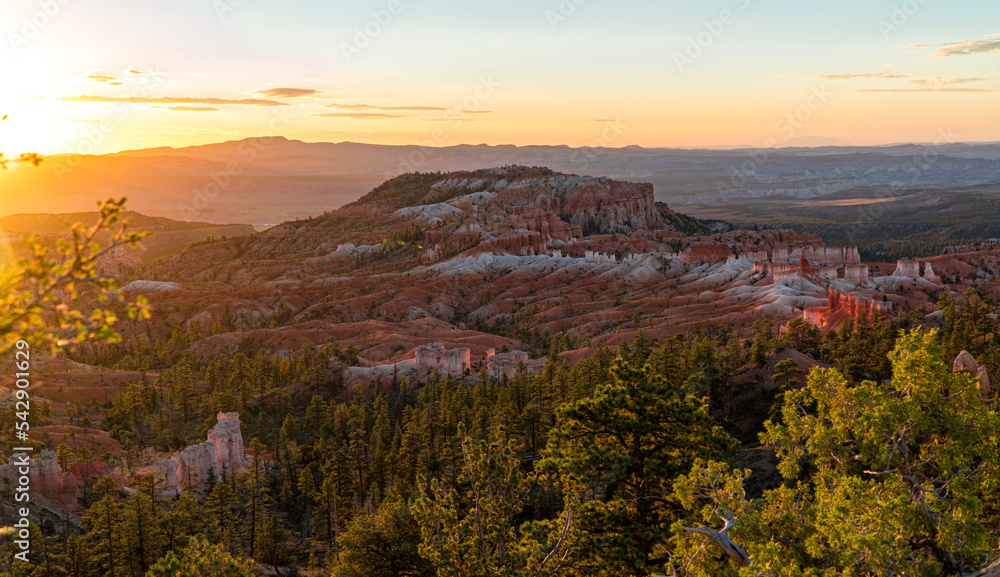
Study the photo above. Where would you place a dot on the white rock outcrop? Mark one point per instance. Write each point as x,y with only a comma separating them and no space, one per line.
221,455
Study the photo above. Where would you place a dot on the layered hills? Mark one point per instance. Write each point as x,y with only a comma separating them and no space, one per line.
168,237
265,181
504,259
487,271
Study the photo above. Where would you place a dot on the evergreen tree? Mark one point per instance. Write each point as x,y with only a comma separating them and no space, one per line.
619,452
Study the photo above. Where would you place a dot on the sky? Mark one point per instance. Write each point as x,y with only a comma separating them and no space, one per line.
101,76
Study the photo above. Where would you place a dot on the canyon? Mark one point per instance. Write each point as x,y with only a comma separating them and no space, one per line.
475,253
460,275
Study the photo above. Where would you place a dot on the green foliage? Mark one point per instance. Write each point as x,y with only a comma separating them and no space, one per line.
383,545
38,293
882,478
619,452
473,529
199,559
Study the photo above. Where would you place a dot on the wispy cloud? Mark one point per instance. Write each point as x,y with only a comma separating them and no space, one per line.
171,100
286,92
926,90
453,115
862,76
988,44
943,81
389,108
189,108
359,115
99,77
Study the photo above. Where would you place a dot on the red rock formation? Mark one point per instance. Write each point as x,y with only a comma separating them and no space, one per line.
92,471
453,362
190,469
523,244
907,268
816,317
49,484
817,255
856,306
847,305
856,273
504,363
966,362
930,275
588,204
708,252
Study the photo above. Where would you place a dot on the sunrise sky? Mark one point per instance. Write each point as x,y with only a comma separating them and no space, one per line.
107,75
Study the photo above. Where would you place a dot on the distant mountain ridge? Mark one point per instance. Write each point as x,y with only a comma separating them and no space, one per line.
265,181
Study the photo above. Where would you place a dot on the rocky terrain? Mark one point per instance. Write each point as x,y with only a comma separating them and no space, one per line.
483,260
462,273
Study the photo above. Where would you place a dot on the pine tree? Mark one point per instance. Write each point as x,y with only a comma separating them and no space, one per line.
618,451
882,479
105,532
199,559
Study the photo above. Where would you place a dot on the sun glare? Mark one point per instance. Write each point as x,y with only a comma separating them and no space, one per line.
30,125
35,120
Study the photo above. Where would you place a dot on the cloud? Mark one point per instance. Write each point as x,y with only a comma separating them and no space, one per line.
862,76
926,90
98,77
456,115
389,108
943,81
377,111
989,44
189,108
286,92
359,115
133,71
171,100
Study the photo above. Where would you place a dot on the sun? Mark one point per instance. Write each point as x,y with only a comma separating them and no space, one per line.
35,117
30,125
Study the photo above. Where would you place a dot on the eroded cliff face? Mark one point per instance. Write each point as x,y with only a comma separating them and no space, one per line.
220,456
454,258
591,205
50,486
856,306
966,362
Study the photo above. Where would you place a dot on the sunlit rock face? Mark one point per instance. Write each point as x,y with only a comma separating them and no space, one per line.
49,485
220,456
966,362
435,357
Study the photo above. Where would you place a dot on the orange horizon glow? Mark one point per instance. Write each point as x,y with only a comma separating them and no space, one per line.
604,77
